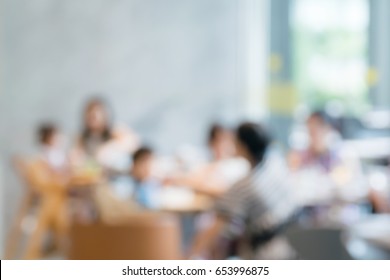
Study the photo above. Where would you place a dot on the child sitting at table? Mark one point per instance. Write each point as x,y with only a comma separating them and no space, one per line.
145,188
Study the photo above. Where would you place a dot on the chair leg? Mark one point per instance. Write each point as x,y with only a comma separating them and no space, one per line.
14,235
34,244
61,227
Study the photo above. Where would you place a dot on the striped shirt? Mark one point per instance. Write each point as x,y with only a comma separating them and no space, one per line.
261,201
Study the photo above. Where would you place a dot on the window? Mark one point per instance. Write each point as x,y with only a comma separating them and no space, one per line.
330,55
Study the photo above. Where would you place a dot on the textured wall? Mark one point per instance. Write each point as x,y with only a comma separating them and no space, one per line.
160,62
168,67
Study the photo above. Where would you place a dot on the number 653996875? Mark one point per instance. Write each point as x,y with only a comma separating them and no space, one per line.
259,270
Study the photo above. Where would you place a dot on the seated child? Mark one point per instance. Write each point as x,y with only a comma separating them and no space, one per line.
145,188
53,152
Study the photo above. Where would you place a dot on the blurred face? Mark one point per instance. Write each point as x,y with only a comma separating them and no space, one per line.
223,145
56,140
241,150
142,168
96,118
318,131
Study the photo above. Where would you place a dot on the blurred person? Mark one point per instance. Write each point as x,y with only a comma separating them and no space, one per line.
316,161
216,176
222,170
100,140
327,170
321,151
380,202
52,148
380,190
100,154
130,193
221,143
143,187
256,209
326,152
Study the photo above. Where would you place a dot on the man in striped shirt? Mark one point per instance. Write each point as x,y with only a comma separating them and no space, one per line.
258,208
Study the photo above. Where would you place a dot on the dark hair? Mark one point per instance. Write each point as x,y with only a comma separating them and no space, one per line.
45,132
255,139
214,130
86,132
322,116
142,153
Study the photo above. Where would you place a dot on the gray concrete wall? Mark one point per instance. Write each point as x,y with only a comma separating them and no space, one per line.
159,62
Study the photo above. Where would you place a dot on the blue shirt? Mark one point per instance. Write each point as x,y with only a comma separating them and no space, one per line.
146,193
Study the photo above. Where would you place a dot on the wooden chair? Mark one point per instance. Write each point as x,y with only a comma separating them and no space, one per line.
51,214
143,237
29,199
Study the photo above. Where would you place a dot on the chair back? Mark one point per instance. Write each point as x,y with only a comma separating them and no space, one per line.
28,200
25,169
21,166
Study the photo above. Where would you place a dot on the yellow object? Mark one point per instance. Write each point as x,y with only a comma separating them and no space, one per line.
282,98
372,77
275,63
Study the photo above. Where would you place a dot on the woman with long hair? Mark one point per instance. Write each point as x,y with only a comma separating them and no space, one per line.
102,141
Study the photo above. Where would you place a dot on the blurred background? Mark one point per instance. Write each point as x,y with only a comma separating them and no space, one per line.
169,69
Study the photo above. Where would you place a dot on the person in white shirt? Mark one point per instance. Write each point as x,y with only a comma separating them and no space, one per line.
222,171
52,148
215,177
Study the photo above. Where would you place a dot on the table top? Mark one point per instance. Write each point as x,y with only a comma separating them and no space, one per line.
182,200
178,200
